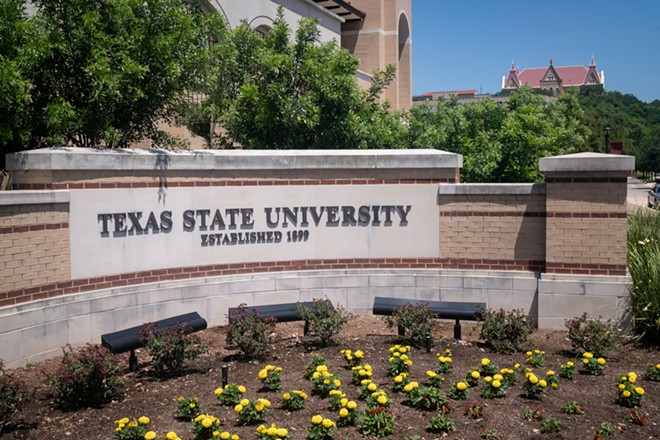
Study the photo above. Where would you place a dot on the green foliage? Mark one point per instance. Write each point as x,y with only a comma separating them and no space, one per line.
285,91
428,398
132,429
230,395
552,424
605,430
87,377
572,407
505,332
416,320
377,422
170,348
310,368
14,395
250,333
591,335
440,423
644,267
188,408
324,320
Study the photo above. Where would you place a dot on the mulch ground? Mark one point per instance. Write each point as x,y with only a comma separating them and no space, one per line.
156,399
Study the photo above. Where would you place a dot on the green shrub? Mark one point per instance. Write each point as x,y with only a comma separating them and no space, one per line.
591,335
644,267
324,320
251,334
86,377
377,422
416,320
440,423
14,395
429,399
170,348
505,332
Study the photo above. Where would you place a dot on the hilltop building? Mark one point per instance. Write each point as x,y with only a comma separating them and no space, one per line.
554,79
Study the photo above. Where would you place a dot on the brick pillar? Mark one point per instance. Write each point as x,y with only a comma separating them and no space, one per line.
586,232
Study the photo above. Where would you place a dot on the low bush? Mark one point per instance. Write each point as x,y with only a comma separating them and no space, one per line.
252,335
170,348
505,332
591,335
14,395
324,320
88,376
415,320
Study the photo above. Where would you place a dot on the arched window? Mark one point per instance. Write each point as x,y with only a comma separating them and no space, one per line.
404,33
262,30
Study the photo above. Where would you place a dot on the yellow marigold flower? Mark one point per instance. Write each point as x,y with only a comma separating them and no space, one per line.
569,364
585,361
497,377
200,417
286,396
488,379
241,389
225,436
543,383
496,384
143,420
431,374
337,382
359,354
461,386
351,405
554,385
216,434
372,387
587,355
261,429
626,393
343,412
485,361
408,362
264,402
321,368
150,435
640,391
398,379
317,419
475,375
365,382
657,366
181,398
238,408
191,405
516,366
622,386
529,353
272,431
601,361
234,437
207,422
408,388
282,432
550,373
217,391
327,423
263,374
171,435
124,420
382,400
259,407
533,379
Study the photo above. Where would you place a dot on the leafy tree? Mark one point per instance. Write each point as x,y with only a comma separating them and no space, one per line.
278,92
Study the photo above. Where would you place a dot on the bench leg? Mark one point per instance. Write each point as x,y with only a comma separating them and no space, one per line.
306,330
457,330
132,362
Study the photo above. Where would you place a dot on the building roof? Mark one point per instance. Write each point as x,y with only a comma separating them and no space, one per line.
570,75
342,9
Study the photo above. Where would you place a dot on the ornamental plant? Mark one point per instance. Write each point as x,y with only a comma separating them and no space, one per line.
591,335
552,424
533,387
250,333
336,398
400,381
653,373
505,332
132,429
487,368
439,424
592,365
490,434
205,427
170,348
493,387
472,377
429,399
320,428
399,361
271,378
310,368
535,358
294,400
551,379
444,362
534,414
605,430
14,395
377,422
378,398
508,376
188,408
474,411
325,321
273,432
86,377
572,407
173,436
230,395
636,418
324,382
251,412
360,372
459,390
347,413
352,359
629,394
567,370
416,321
434,379
367,387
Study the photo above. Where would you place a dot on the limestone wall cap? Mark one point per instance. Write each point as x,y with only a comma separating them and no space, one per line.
585,162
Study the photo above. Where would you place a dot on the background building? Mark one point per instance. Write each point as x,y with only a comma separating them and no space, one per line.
554,79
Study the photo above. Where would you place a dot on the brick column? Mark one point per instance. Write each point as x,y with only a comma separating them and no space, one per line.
586,233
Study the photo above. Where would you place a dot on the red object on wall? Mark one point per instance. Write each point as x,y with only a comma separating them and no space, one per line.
616,147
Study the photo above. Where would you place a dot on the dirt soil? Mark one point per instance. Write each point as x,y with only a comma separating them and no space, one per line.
156,399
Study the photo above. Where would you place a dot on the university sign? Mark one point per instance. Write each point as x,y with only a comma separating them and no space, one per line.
120,230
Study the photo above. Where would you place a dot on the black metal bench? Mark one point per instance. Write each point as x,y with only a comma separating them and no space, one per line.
470,311
129,339
287,312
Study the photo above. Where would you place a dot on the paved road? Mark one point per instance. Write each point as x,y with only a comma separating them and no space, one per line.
637,191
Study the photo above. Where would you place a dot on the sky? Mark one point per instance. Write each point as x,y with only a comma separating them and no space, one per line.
470,44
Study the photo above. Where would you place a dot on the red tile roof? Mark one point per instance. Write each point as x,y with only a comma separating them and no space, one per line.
570,75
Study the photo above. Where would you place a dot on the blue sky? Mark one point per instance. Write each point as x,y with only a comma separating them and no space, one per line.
469,44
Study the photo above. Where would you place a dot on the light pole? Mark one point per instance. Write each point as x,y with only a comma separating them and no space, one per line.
606,130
